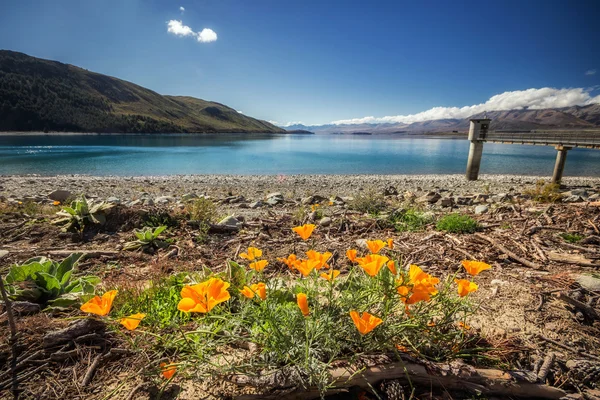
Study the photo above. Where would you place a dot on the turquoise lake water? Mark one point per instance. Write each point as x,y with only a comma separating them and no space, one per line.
128,155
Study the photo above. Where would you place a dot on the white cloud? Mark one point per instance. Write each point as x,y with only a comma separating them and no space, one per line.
241,112
182,9
207,36
177,28
534,99
591,72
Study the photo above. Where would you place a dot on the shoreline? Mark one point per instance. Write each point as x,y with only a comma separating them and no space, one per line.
130,188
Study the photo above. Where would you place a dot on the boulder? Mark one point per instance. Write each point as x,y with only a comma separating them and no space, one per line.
60,195
325,221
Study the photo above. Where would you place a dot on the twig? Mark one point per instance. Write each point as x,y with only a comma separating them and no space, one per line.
587,310
90,372
509,253
539,251
13,334
545,368
594,226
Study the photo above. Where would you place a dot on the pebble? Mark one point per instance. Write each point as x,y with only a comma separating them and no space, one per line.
481,209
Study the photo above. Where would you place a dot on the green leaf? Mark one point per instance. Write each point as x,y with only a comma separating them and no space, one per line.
67,265
148,237
140,235
48,282
98,218
158,231
237,274
63,302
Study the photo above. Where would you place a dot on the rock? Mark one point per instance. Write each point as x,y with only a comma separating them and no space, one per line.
234,199
431,197
325,221
572,199
230,221
243,205
256,204
275,194
148,202
588,282
164,200
189,197
481,198
312,216
273,201
498,282
338,201
446,202
113,200
501,197
314,199
22,307
578,192
463,200
481,209
390,191
134,203
60,195
594,197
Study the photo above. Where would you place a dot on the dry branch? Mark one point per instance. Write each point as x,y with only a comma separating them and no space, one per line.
576,259
73,331
487,382
584,308
509,253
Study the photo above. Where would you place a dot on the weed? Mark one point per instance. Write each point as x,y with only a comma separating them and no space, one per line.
571,237
457,223
81,214
44,281
202,210
544,192
408,220
370,202
155,219
147,240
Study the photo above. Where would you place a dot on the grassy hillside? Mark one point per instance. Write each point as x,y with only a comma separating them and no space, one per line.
43,95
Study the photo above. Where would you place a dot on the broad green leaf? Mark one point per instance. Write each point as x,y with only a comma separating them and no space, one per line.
48,282
148,235
63,301
67,265
158,231
237,274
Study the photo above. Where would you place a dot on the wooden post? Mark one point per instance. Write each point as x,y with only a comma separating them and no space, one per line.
559,166
477,133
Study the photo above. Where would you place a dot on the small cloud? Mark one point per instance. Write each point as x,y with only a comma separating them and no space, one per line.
178,29
241,112
272,122
591,72
207,35
182,9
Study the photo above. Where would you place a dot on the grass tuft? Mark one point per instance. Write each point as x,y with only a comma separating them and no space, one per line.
457,223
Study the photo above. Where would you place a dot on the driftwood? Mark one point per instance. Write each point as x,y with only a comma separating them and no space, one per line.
73,331
584,308
509,253
455,376
576,259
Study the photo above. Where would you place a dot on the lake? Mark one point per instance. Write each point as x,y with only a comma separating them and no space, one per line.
269,154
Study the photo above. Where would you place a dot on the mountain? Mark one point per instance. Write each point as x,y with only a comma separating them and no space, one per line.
44,95
577,118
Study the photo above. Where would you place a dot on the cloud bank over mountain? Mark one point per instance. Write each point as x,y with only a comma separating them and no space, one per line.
532,99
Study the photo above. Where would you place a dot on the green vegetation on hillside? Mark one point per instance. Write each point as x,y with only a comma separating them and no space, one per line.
42,95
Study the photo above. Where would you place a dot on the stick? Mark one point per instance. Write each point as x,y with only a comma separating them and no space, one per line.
545,368
539,251
587,310
13,334
90,372
576,259
509,253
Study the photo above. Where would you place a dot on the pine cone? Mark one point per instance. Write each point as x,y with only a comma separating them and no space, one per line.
392,390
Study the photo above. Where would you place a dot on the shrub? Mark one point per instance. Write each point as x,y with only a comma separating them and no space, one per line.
408,220
370,202
571,237
544,192
457,223
154,219
41,280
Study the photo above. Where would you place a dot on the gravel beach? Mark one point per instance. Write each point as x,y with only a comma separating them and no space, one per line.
257,187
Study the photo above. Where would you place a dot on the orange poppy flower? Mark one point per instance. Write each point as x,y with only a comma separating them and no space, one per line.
306,266
132,322
289,261
331,275
475,267
302,301
465,287
463,326
252,254
401,348
420,286
392,267
320,257
351,254
372,263
259,289
431,323
258,266
204,296
304,231
168,370
56,203
100,305
314,207
375,246
330,202
365,323
390,243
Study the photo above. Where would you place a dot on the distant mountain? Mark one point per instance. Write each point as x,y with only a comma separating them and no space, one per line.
43,95
578,117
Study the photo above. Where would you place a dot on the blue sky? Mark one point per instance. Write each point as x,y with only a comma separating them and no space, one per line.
318,61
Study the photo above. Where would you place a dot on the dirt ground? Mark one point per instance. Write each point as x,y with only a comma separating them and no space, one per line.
530,302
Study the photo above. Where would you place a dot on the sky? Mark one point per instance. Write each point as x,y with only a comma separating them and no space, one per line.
324,61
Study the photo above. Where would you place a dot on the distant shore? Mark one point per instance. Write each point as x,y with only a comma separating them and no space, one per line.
258,186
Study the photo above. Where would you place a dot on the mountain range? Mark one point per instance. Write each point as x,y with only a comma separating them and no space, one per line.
576,117
44,95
